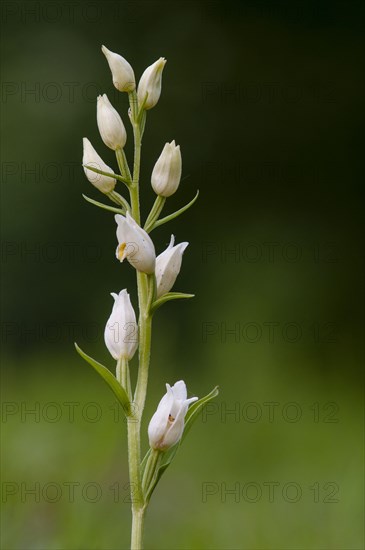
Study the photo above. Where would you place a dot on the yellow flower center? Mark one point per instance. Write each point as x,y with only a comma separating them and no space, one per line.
121,251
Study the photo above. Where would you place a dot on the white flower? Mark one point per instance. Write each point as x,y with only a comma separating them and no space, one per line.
91,157
166,173
134,244
168,265
110,124
150,84
167,424
121,331
122,72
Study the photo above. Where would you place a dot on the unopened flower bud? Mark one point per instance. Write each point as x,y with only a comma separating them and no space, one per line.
166,173
110,124
168,265
91,158
150,84
167,424
121,331
134,244
122,72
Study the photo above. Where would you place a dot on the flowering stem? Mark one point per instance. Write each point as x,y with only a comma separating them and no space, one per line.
144,325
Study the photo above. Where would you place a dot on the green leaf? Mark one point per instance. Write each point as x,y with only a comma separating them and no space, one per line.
156,479
110,379
104,206
118,199
195,409
155,212
175,214
144,461
109,174
167,297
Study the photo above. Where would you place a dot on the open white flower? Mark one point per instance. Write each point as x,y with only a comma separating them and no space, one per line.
166,173
110,124
134,244
91,157
150,84
168,265
121,331
167,424
122,72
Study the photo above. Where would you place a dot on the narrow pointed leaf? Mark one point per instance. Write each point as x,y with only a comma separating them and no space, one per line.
118,199
104,206
167,297
144,461
109,174
175,214
169,455
156,479
155,212
110,379
195,408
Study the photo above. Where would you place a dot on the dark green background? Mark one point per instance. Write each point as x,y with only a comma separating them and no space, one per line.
265,100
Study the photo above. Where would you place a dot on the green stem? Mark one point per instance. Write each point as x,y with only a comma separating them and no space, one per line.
145,328
137,529
134,460
137,498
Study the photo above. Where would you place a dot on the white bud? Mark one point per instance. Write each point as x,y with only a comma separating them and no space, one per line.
167,424
110,124
150,84
134,244
121,331
168,265
91,158
122,72
166,173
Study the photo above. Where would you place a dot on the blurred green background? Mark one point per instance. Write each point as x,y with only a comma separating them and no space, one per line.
265,99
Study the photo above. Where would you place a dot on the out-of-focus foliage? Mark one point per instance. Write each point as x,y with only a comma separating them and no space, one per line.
266,103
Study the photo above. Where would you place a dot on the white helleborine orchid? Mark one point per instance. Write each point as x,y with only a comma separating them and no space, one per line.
122,72
110,124
150,84
121,331
90,157
168,265
134,244
167,424
166,173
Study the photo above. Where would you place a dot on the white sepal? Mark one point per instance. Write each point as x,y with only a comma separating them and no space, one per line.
150,84
122,72
166,173
121,331
168,265
91,157
167,424
110,124
134,244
